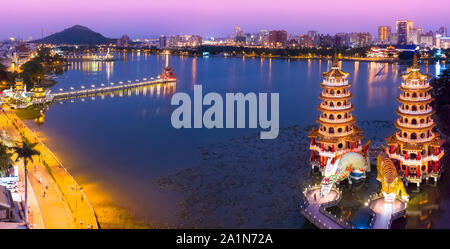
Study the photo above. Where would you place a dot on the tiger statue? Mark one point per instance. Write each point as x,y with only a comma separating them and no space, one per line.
391,182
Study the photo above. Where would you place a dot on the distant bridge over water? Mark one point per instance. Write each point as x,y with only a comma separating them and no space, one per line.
105,88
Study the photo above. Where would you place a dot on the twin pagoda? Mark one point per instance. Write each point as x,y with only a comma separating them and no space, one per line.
415,148
337,132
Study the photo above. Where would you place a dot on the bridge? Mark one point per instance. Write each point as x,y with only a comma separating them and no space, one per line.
314,208
107,88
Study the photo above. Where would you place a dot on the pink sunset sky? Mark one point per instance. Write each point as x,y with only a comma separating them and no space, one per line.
149,18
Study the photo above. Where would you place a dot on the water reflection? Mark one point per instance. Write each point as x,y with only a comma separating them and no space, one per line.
86,133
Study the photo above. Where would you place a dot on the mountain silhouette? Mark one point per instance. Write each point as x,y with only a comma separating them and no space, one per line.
77,34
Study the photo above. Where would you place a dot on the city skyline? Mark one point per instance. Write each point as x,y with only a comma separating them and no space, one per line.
148,20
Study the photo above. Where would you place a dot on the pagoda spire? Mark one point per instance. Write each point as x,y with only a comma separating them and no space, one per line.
415,63
335,60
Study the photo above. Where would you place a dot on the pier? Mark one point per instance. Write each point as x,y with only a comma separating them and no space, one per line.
105,89
314,208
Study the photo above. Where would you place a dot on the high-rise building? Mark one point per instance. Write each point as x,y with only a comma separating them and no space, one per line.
427,39
360,39
404,28
238,32
384,34
342,40
337,132
123,41
415,147
162,41
314,36
442,31
414,36
277,38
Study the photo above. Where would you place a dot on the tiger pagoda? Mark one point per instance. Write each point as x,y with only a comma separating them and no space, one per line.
415,147
337,133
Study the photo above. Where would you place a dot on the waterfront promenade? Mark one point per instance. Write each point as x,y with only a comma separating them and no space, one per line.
61,201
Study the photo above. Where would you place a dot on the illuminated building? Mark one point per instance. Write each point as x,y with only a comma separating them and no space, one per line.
123,41
360,39
337,132
388,52
19,85
415,147
384,34
442,31
162,42
277,38
404,28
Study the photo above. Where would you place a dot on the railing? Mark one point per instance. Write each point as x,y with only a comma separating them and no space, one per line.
415,85
428,110
393,217
417,140
330,154
403,97
106,89
336,95
420,161
327,107
336,120
425,125
328,83
336,134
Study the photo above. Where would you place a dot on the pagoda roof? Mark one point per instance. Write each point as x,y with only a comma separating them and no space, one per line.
415,101
415,73
411,89
313,133
391,139
335,71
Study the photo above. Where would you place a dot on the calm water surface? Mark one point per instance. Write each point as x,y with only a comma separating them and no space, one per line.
118,145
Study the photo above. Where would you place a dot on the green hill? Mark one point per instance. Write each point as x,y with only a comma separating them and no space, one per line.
77,34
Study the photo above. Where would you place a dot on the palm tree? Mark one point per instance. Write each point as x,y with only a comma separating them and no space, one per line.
5,158
25,152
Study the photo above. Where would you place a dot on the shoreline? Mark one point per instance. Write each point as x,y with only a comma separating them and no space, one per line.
72,194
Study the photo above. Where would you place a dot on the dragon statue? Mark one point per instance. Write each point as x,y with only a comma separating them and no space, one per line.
391,183
347,166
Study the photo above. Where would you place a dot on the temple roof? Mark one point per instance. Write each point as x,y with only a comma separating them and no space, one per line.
335,71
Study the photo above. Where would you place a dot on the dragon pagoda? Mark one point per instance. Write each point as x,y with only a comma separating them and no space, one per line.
337,133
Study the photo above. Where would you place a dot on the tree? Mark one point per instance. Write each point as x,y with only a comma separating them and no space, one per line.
5,158
25,152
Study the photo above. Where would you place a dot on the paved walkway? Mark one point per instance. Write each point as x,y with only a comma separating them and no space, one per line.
313,213
54,211
384,211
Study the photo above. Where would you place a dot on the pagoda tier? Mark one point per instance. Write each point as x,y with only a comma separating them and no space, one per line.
415,147
337,132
